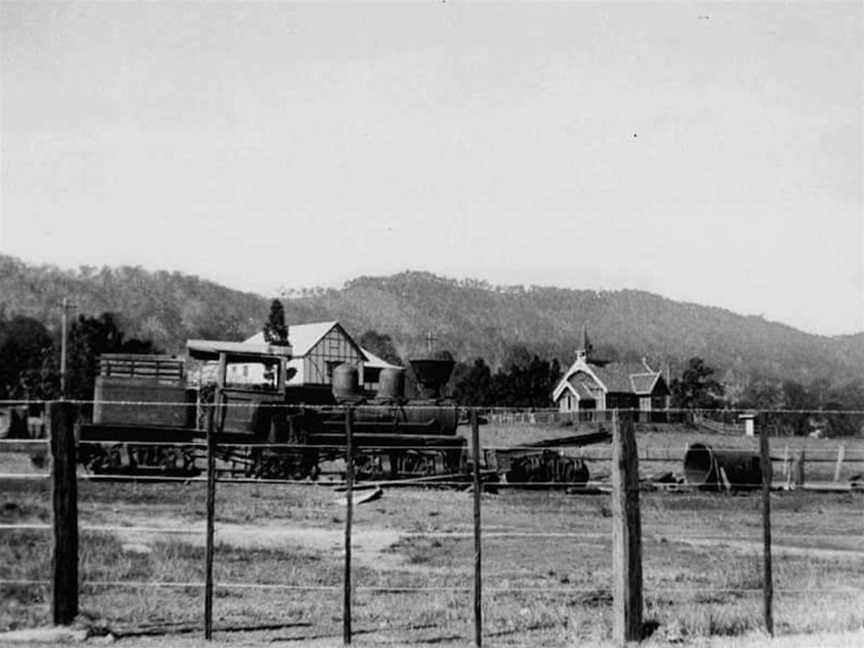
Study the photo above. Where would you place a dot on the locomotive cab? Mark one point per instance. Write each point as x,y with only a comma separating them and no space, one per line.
248,411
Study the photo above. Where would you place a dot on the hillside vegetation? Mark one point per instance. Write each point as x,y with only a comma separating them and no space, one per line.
471,318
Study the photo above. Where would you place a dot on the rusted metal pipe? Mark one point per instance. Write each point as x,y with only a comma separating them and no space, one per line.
716,469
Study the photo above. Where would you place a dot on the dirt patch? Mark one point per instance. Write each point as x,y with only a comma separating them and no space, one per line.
752,546
369,545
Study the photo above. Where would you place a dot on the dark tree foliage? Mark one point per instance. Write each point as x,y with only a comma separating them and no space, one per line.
517,356
27,364
762,393
529,384
275,330
798,409
89,337
381,345
473,385
799,401
696,389
842,409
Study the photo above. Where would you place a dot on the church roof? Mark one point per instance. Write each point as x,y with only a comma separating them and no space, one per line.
644,383
627,377
617,377
580,389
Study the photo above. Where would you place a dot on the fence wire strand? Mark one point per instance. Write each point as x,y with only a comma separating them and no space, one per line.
669,454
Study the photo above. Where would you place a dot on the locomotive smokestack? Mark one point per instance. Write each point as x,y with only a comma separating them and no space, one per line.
433,371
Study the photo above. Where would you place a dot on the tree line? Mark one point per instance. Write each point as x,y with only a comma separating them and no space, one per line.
30,355
527,381
30,370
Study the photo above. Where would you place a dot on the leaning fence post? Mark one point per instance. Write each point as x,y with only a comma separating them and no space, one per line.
349,513
478,581
767,579
841,454
626,532
64,496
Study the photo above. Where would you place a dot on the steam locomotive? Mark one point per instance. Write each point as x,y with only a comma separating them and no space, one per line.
149,418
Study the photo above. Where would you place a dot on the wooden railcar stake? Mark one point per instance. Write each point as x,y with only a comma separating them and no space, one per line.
767,578
64,496
349,513
478,545
626,533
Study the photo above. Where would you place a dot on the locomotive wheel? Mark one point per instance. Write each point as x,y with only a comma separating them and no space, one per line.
114,458
93,457
369,466
171,459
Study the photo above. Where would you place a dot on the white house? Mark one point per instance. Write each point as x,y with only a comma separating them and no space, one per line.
318,348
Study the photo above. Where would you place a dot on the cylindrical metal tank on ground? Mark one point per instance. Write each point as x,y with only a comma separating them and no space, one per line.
711,469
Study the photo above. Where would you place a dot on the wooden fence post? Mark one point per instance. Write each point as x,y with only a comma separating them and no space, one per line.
211,514
798,469
478,490
841,455
626,532
64,496
767,578
349,514
215,425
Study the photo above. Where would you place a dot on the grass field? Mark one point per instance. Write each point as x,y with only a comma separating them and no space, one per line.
546,559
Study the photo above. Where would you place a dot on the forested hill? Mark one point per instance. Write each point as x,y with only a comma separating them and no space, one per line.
471,318
167,307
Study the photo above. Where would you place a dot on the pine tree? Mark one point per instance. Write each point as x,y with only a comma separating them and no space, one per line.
275,330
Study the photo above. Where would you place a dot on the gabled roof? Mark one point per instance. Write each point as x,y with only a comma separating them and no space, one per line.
643,383
238,351
580,389
618,377
374,362
303,337
625,377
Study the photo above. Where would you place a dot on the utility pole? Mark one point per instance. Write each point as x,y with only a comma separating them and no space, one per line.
64,327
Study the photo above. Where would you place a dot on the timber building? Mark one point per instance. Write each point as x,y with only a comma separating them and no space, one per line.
592,384
317,349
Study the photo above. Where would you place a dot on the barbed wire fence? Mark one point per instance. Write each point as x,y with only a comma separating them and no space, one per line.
623,486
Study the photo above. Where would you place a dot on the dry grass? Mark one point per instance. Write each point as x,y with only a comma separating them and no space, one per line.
701,564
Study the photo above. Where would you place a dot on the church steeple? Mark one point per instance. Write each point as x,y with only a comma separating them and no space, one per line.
584,353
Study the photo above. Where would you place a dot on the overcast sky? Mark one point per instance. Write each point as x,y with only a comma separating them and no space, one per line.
706,152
